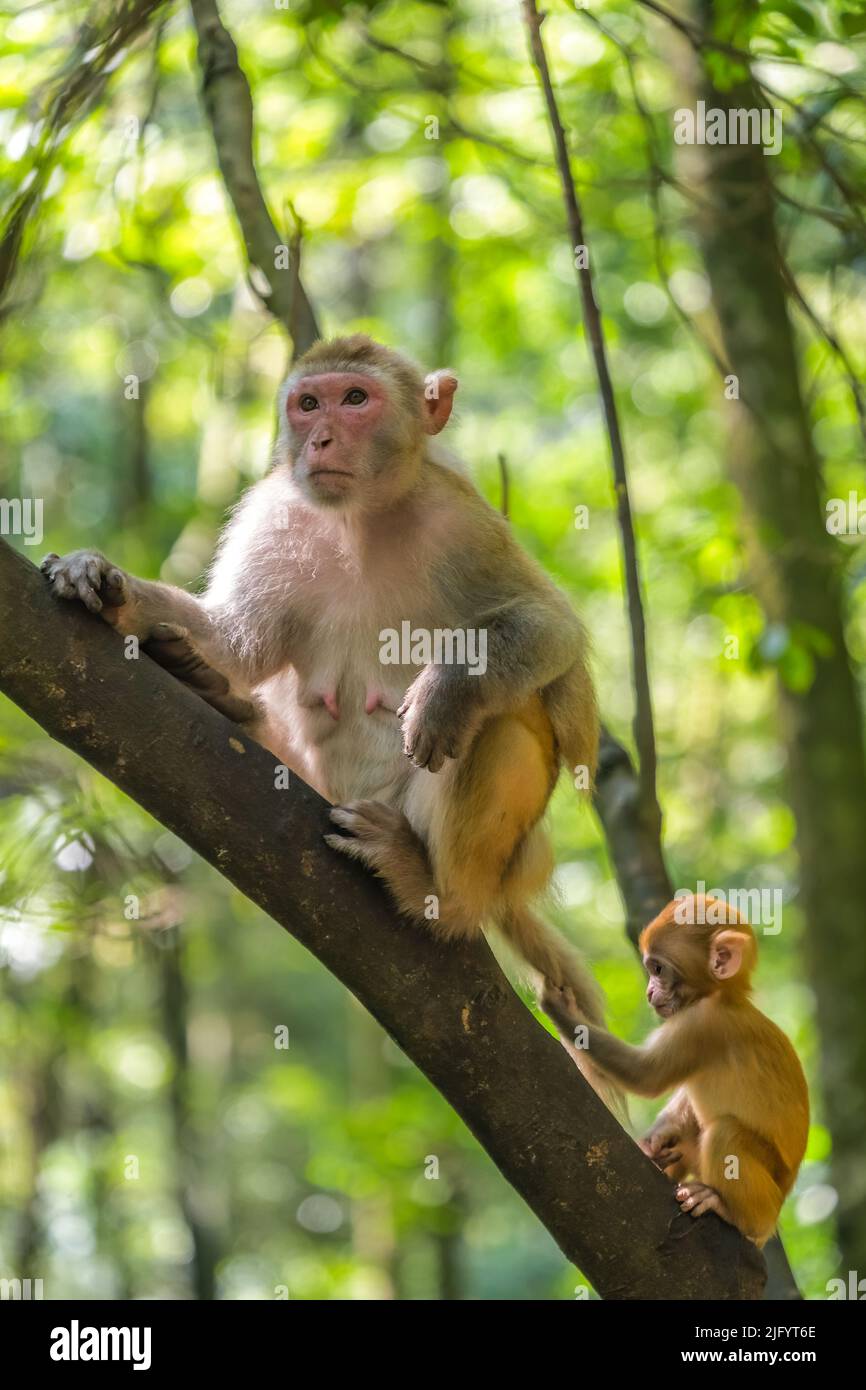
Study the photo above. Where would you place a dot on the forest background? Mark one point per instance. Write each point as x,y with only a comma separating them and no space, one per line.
156,1137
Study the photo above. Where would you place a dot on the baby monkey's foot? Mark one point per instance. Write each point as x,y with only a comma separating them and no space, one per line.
375,831
697,1199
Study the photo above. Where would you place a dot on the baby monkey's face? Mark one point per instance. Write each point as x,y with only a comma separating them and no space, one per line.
668,990
661,989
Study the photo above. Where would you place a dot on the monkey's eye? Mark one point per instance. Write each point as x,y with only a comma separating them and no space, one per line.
355,397
308,403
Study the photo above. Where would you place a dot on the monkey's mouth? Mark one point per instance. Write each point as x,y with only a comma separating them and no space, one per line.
330,473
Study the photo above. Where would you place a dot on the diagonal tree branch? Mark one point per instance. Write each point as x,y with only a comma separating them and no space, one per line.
643,721
229,107
449,1007
635,847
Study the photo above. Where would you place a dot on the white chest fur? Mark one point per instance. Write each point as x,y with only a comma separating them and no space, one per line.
334,709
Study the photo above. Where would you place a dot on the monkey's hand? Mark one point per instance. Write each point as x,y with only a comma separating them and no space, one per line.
436,716
86,575
697,1199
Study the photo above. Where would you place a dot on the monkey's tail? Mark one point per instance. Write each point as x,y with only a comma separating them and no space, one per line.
566,991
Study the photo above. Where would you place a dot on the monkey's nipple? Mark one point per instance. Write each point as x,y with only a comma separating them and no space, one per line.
376,700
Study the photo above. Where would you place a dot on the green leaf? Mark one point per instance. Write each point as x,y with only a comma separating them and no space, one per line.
799,16
853,24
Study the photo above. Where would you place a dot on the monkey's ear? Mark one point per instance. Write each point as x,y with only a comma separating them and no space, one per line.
439,388
727,950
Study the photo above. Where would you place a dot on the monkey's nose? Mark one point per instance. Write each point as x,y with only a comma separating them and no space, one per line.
322,443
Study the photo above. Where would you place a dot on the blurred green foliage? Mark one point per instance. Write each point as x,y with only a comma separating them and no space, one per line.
410,140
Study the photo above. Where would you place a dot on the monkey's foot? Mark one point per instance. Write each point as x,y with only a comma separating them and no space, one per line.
374,832
698,1199
664,1147
171,647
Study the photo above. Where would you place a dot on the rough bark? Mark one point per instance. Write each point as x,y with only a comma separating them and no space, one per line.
797,574
633,838
449,1007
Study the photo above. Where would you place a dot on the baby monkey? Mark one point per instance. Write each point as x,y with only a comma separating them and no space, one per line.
734,1134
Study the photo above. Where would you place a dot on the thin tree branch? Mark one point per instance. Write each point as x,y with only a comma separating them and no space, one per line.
634,846
504,485
632,825
830,337
643,722
72,91
700,41
658,177
229,107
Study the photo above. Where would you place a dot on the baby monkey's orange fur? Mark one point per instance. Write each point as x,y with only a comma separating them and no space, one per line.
738,1124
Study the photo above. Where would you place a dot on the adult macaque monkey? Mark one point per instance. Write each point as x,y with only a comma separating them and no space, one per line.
364,528
738,1125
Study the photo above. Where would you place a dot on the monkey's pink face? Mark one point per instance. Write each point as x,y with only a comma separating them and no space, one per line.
334,420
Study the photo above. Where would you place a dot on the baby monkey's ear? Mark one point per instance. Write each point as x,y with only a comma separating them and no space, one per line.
728,950
439,388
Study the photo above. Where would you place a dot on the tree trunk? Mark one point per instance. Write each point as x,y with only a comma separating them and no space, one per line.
448,1006
191,1185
